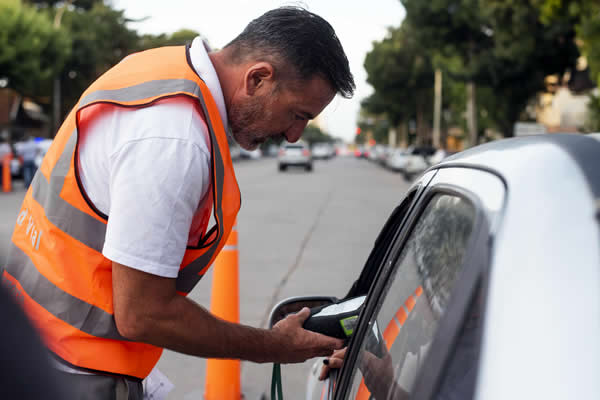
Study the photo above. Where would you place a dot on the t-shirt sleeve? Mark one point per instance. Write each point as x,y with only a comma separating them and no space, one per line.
155,187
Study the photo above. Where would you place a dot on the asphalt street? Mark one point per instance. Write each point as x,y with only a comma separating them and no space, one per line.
299,234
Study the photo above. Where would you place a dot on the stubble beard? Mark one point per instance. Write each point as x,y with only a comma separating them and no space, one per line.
244,120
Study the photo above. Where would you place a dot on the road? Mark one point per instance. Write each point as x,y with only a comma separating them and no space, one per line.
299,234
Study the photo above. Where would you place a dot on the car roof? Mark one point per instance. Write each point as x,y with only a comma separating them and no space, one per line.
518,159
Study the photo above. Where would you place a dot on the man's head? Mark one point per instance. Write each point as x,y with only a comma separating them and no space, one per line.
288,64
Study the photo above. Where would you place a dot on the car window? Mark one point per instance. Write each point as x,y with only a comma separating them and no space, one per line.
418,290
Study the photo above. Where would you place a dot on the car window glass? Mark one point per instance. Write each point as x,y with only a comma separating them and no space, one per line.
460,373
402,327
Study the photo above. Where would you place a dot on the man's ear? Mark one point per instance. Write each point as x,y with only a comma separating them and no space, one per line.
259,76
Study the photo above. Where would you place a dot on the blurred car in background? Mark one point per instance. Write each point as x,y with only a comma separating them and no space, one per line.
438,157
250,154
235,151
468,273
294,155
322,151
411,161
396,160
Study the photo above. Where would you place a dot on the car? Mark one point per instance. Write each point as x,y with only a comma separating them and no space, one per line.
482,284
250,154
396,160
322,151
294,155
235,150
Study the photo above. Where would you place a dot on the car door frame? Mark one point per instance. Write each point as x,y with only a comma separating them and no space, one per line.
476,264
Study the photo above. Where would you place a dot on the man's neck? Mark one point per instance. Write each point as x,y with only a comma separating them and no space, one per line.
227,75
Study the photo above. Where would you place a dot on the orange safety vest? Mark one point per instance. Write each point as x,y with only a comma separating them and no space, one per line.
55,264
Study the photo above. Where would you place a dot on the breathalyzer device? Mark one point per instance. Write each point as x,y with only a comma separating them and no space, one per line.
337,320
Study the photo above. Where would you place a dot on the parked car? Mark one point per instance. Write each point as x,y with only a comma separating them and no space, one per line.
295,155
250,154
437,157
483,283
397,159
323,151
235,150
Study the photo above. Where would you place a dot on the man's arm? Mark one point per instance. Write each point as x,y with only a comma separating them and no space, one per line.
148,309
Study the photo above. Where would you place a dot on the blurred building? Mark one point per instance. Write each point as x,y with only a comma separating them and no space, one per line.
21,117
563,106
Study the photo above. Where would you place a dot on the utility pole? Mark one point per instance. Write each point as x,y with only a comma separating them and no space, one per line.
56,95
471,114
437,109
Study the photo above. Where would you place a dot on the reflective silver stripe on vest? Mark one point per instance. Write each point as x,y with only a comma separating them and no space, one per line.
76,312
189,276
69,219
155,88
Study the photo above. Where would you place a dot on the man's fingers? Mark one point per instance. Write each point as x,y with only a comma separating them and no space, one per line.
331,344
335,362
324,373
303,315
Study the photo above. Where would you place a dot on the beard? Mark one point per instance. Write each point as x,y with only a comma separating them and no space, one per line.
245,120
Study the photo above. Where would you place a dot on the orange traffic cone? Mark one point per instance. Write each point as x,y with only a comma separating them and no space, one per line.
6,183
223,376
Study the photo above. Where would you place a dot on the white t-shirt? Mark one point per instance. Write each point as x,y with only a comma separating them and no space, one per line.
148,169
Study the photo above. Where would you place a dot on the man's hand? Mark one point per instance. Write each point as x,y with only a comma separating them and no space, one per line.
299,344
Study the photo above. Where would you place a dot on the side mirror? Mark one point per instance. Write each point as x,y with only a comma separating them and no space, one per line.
295,304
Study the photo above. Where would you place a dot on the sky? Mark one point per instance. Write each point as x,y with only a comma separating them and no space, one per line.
357,23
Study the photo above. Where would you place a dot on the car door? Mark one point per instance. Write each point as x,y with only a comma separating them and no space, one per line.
418,333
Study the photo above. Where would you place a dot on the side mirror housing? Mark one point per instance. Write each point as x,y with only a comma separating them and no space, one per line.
295,304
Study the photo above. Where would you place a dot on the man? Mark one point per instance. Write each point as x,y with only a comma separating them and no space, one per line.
114,229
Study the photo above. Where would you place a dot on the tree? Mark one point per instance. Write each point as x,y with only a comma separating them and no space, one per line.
181,37
585,15
100,39
501,44
31,50
401,73
313,134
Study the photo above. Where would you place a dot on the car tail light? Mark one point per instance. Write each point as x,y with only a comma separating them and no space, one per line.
305,153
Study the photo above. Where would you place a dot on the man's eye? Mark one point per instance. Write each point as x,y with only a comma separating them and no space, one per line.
300,117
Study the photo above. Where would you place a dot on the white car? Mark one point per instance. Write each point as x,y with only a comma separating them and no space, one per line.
294,155
322,151
483,284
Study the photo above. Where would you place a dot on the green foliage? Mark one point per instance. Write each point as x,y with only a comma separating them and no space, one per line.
314,134
100,40
593,122
400,71
506,47
80,4
31,49
181,37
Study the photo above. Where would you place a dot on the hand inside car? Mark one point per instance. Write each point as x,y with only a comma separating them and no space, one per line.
298,344
378,373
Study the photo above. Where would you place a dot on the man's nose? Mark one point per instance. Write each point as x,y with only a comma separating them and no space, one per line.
295,131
